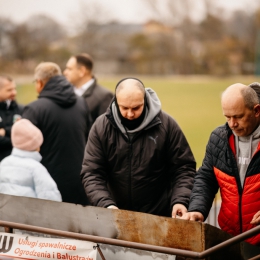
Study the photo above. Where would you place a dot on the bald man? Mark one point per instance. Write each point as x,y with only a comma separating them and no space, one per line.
137,158
232,164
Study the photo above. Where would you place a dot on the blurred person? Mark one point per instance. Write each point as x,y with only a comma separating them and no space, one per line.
256,87
232,164
61,117
10,111
21,173
79,72
137,157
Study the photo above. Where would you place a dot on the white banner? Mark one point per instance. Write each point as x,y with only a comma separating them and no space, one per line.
29,247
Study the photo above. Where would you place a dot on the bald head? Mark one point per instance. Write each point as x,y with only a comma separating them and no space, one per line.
233,89
241,109
242,93
131,86
130,94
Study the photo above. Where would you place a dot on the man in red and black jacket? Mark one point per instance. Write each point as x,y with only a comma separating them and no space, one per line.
232,163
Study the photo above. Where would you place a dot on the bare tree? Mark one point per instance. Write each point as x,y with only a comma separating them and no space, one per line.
171,12
5,26
20,41
23,45
45,27
89,14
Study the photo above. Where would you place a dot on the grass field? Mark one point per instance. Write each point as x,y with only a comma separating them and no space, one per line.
193,101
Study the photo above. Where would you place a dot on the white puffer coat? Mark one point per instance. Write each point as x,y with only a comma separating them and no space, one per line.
22,174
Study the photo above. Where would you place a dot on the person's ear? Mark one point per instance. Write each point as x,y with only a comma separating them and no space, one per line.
41,85
257,110
83,71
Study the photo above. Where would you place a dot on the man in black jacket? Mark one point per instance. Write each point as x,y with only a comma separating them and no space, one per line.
79,72
61,116
10,111
137,158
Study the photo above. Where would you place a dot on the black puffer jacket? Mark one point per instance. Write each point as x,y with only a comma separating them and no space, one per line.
61,116
149,174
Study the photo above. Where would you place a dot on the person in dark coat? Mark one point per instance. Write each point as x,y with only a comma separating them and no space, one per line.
61,116
232,164
79,72
10,112
137,157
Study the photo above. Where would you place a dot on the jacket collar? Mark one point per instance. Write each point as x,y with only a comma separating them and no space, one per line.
232,142
90,89
5,106
28,154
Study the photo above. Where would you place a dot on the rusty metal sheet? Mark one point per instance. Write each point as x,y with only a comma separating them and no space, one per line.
117,224
120,224
161,231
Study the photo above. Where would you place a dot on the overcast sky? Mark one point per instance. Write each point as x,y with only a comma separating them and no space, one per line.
66,11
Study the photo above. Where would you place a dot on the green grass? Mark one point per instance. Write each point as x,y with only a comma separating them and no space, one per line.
194,102
26,93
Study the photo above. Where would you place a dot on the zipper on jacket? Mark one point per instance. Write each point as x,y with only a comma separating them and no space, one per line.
130,174
242,190
240,213
239,187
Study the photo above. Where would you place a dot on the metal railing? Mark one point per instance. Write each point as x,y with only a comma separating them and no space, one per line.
9,226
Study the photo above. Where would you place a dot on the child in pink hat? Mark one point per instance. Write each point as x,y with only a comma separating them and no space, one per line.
21,173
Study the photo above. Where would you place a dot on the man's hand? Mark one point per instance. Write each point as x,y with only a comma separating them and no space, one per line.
195,216
256,219
178,210
112,207
2,132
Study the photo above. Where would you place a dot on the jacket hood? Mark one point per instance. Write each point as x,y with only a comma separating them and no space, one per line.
27,154
153,109
60,91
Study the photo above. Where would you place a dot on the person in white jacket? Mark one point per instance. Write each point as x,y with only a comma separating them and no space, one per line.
21,173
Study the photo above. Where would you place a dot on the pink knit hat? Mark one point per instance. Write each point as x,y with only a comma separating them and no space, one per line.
26,136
